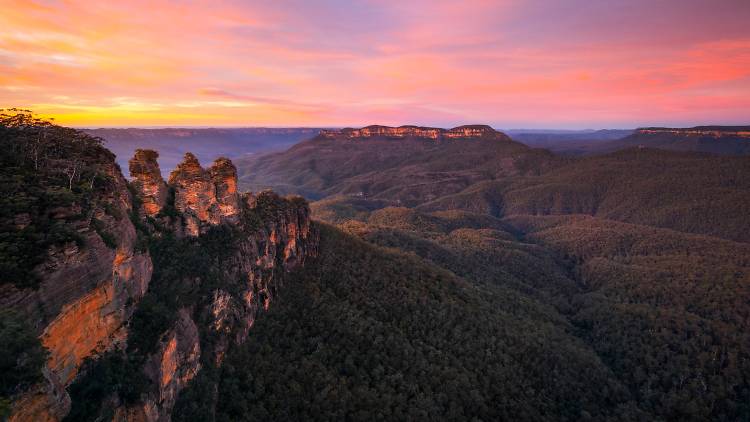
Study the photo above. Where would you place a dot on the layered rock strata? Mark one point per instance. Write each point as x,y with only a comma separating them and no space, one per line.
469,131
86,295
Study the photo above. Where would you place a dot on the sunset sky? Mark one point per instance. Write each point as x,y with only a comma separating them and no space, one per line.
531,64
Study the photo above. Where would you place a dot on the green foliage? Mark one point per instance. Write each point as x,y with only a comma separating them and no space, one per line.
49,175
186,271
454,315
197,402
22,356
365,334
115,372
106,236
665,310
687,192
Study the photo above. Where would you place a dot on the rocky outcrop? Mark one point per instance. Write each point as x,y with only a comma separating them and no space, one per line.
205,197
86,295
147,181
194,195
224,177
469,131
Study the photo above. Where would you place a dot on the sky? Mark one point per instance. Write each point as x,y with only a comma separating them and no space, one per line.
568,64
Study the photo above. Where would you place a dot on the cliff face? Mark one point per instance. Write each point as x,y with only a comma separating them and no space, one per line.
90,290
470,131
171,368
274,236
86,294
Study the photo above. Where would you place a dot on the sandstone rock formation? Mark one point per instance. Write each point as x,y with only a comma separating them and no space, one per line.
224,177
147,181
195,194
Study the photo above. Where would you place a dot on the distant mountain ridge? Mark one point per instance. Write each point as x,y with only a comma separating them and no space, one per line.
466,131
717,131
721,140
505,178
568,142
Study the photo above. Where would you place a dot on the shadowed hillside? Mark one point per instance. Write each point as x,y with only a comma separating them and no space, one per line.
690,192
641,251
720,140
410,169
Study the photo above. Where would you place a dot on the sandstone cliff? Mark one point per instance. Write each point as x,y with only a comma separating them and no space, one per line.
87,292
90,290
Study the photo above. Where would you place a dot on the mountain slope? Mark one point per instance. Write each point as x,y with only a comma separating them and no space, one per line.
408,168
664,310
661,295
569,142
689,192
685,191
469,277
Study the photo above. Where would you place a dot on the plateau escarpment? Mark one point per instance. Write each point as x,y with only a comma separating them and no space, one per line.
83,251
711,131
721,140
468,131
